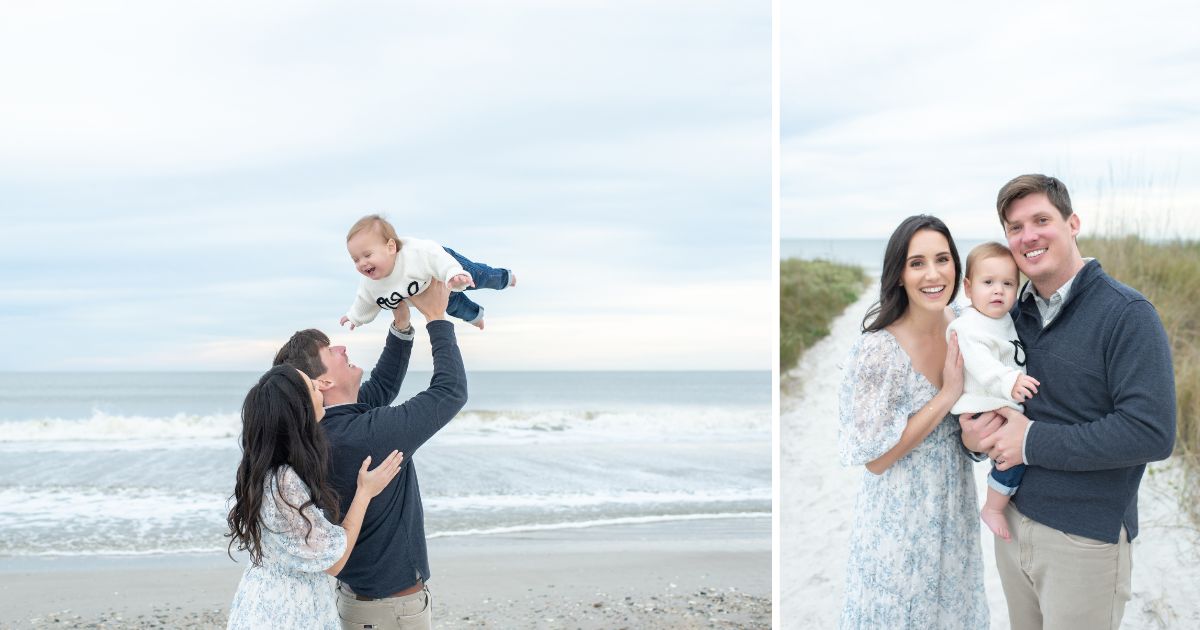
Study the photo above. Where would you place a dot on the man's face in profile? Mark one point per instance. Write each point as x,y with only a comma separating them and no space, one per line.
338,368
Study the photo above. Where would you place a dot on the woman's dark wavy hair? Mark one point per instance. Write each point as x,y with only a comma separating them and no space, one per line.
279,426
893,301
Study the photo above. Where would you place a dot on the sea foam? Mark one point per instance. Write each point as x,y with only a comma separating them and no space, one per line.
133,432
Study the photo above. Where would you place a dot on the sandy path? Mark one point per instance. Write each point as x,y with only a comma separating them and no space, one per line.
817,503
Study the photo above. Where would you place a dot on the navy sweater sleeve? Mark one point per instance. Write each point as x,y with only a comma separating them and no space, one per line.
409,425
382,387
1141,382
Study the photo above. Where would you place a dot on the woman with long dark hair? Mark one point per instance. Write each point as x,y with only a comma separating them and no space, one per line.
285,511
914,547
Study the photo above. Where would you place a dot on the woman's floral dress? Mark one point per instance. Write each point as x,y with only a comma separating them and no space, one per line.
914,549
290,589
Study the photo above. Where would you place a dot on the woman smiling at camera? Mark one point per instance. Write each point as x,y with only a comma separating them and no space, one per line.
914,548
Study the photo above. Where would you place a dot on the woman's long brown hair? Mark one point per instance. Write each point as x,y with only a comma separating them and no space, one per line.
279,426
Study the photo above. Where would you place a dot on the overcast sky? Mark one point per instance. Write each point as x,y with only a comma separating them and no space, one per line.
894,109
176,180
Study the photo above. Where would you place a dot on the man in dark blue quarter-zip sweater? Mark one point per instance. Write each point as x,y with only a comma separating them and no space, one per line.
383,582
1106,407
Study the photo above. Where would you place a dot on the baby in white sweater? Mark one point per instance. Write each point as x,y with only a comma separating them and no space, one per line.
993,360
397,268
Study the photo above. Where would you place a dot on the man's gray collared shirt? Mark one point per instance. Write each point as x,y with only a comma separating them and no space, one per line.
1049,309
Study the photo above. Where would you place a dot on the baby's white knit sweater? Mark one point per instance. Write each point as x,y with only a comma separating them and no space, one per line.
417,262
989,361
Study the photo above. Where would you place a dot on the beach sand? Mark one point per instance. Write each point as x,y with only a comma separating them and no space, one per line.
678,574
817,503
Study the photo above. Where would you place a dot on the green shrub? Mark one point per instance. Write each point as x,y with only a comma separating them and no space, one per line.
811,294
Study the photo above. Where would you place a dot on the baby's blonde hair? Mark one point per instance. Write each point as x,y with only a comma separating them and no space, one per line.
985,251
376,223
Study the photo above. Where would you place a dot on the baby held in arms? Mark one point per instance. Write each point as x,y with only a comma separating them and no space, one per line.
993,360
397,268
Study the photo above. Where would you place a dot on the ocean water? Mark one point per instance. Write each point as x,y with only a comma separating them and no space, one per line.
144,463
864,252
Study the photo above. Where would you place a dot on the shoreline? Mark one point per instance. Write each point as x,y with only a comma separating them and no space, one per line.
677,574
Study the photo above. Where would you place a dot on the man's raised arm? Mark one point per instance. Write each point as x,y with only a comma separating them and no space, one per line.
382,387
412,423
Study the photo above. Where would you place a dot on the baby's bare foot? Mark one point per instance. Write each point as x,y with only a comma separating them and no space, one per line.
477,323
996,522
512,278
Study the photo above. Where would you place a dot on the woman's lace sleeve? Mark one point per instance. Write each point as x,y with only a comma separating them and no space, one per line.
874,400
324,545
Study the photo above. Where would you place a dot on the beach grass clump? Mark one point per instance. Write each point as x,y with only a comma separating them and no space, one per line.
811,294
1168,274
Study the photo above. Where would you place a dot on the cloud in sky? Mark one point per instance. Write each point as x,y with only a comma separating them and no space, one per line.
176,182
931,107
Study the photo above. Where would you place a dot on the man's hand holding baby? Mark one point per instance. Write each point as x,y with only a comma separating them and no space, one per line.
401,316
1006,445
433,300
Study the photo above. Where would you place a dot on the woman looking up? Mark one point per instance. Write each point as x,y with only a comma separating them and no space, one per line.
284,511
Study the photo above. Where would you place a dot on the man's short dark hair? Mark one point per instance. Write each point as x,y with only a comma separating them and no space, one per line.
303,352
1024,185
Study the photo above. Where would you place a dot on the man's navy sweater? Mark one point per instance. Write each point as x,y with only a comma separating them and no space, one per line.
390,554
1106,406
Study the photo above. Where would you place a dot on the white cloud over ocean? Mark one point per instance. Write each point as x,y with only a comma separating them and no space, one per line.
176,182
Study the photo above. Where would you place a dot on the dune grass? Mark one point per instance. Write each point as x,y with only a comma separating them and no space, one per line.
811,294
1168,274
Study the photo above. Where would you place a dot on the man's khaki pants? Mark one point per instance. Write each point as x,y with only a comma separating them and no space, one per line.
1059,581
410,612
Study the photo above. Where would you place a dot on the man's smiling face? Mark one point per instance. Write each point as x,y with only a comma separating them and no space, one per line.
1042,241
345,375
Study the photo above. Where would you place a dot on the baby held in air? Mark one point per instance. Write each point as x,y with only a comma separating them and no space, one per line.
397,268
